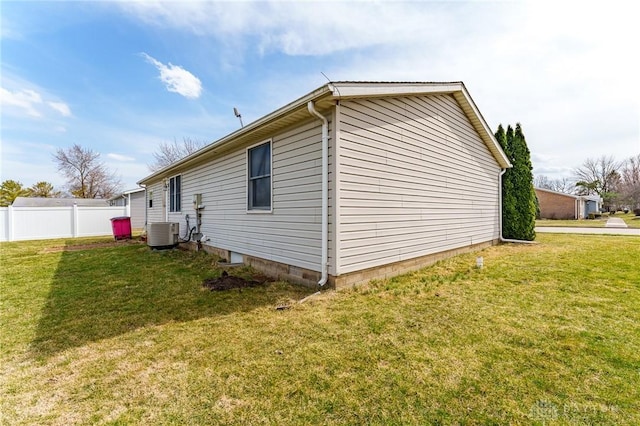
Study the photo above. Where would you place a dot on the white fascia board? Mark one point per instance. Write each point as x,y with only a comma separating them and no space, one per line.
352,90
476,118
360,90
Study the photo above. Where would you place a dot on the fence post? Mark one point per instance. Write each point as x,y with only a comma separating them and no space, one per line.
75,220
10,223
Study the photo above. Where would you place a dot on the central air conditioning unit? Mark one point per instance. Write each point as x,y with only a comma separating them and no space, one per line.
163,235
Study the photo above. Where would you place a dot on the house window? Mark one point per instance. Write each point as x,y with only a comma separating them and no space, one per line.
174,194
259,171
150,199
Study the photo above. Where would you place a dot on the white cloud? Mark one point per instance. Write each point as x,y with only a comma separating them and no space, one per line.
565,70
177,79
29,100
61,107
299,28
26,100
119,157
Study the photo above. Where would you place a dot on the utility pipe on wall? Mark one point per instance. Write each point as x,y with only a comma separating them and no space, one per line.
325,192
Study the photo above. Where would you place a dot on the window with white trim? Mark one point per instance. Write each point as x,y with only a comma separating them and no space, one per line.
259,173
174,193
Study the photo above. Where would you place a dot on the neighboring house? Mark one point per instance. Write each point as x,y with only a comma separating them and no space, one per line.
134,201
557,205
58,202
350,182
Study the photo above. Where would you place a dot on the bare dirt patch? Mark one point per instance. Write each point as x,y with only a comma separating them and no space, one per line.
229,282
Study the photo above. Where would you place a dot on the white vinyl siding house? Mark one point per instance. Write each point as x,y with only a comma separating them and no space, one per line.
413,170
415,179
290,233
134,201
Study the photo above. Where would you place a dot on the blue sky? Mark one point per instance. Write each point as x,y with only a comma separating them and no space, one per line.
123,77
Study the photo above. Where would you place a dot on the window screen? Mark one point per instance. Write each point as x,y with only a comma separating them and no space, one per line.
260,177
174,194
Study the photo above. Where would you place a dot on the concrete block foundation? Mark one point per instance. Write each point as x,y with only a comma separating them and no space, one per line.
306,277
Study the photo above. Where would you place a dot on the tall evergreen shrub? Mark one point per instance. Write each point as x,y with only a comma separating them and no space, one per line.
518,195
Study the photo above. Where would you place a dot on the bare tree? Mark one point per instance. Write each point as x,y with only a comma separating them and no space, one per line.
599,176
169,153
564,185
87,176
630,182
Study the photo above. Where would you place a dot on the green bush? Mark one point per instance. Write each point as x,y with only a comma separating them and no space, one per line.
518,196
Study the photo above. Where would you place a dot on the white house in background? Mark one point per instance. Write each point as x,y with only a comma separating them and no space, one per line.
134,201
352,181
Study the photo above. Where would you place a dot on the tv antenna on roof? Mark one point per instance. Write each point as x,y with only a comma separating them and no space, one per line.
237,113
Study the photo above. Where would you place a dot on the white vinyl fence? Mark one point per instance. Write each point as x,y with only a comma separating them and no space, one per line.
40,223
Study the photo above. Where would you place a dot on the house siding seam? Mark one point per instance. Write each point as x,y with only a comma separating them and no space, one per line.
288,235
415,179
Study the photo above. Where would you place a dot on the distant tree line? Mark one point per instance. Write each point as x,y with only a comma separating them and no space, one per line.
11,189
88,177
616,182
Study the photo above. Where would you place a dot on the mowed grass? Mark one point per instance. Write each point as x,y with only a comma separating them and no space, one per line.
630,219
543,334
573,223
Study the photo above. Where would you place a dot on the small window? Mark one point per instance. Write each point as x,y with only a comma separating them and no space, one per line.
259,171
150,199
174,194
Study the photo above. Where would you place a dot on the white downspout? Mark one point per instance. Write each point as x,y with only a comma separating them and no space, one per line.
502,239
325,193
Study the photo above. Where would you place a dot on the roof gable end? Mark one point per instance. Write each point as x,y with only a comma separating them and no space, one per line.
325,97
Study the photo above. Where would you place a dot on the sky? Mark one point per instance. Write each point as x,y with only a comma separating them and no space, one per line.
120,78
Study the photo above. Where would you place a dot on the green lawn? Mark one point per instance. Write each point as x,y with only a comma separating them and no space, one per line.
630,219
572,223
544,334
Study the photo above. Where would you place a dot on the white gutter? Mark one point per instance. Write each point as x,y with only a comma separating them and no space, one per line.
325,192
502,239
